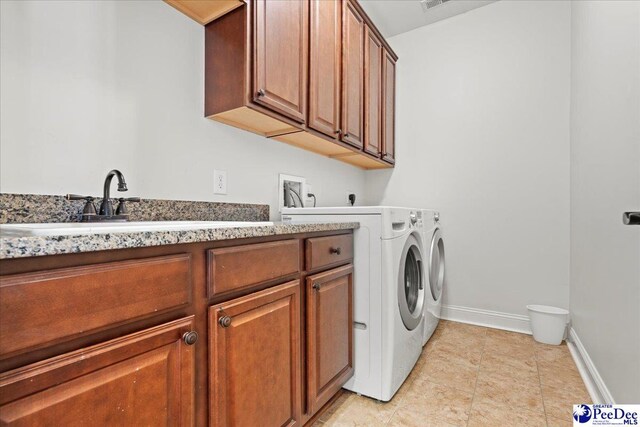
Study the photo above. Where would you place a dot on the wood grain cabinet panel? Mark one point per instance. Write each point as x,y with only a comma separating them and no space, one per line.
255,359
281,31
323,252
329,334
372,92
325,35
352,76
43,307
294,71
388,107
142,379
238,267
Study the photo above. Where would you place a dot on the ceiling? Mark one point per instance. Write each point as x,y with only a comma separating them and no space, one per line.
398,16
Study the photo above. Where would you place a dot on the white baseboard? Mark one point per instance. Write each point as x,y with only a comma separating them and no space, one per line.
595,384
488,318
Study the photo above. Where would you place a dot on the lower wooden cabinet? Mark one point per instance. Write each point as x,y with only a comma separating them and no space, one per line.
141,379
278,346
329,334
255,360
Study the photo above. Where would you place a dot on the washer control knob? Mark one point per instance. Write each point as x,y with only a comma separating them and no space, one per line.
413,217
436,216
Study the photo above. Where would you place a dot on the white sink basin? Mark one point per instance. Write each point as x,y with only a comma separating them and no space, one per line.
75,228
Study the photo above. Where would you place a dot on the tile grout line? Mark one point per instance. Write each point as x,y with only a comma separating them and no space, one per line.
475,386
544,408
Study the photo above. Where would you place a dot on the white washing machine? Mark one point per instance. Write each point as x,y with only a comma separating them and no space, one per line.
434,243
389,292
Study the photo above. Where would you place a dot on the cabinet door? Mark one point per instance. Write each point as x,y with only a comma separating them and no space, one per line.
281,31
325,35
372,93
352,76
329,334
254,359
142,379
388,107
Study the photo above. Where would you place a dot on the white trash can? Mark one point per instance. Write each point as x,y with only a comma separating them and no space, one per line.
548,323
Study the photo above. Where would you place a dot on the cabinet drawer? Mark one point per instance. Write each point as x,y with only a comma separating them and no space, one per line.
40,308
143,379
328,251
234,268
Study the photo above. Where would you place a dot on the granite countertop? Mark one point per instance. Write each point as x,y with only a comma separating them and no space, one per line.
22,247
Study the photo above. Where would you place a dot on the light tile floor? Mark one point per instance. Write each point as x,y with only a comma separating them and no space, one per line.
473,376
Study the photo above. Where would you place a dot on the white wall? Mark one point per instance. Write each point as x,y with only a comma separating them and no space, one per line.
483,135
94,85
605,181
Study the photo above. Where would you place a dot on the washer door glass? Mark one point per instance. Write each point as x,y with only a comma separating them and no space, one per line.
411,284
436,265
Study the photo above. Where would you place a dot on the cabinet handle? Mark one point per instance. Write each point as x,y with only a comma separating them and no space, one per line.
260,93
346,135
224,321
339,131
316,286
336,251
190,338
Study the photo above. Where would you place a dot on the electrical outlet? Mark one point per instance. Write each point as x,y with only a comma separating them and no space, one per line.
349,195
219,182
308,200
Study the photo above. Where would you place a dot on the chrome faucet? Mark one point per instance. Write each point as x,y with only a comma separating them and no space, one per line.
106,213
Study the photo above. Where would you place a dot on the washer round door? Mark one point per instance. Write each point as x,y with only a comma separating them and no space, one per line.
436,265
411,284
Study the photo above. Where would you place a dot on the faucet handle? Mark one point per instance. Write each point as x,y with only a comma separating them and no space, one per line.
89,209
78,197
122,208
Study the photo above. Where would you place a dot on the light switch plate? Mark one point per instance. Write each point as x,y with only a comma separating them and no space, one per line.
219,182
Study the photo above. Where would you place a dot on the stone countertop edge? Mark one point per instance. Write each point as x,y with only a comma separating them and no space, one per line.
32,246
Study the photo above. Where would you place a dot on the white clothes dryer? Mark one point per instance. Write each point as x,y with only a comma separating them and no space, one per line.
434,243
389,292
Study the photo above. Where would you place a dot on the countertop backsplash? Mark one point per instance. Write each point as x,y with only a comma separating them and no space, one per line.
36,208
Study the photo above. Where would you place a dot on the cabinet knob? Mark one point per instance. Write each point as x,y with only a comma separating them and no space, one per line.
260,93
339,131
316,286
336,251
190,338
224,321
346,135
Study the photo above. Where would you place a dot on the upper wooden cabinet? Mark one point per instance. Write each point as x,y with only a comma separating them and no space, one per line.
352,76
230,79
204,11
372,92
280,31
325,49
266,59
388,106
